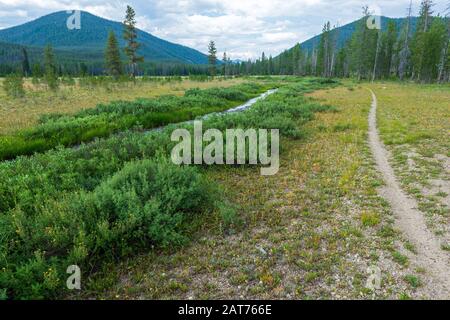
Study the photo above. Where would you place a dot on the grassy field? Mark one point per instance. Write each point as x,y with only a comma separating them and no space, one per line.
310,232
140,114
16,114
415,125
120,195
141,227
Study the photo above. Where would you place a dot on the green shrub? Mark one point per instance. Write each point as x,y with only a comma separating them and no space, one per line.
13,86
370,219
51,80
68,81
413,281
147,203
106,119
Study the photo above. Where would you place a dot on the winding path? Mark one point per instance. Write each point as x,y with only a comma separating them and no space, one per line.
410,220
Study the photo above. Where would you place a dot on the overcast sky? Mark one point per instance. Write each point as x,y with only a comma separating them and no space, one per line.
244,28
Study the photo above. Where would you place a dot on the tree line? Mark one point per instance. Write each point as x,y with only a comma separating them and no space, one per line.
422,54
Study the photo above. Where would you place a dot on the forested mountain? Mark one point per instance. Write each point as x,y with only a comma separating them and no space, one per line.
414,48
89,41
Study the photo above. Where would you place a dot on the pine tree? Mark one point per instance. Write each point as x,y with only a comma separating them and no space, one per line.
112,56
13,85
322,55
83,69
26,70
445,56
314,61
434,41
37,73
341,69
37,70
377,55
270,67
403,47
224,64
448,63
50,77
363,47
130,35
334,35
212,58
391,38
385,51
263,70
420,38
296,59
447,59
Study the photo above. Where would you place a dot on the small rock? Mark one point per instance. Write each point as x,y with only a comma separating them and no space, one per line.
263,252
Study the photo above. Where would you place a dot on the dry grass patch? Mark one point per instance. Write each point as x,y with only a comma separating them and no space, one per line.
22,113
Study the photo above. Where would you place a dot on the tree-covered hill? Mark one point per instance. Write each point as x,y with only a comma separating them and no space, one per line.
90,39
415,48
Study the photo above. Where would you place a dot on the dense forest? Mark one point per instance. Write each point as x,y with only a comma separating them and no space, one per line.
418,49
12,58
415,48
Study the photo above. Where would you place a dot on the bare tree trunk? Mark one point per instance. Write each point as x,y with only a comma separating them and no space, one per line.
314,61
405,51
444,56
377,53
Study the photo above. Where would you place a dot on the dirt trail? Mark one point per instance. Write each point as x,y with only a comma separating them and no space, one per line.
411,221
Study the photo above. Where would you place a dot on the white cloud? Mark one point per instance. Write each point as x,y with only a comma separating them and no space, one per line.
279,37
244,28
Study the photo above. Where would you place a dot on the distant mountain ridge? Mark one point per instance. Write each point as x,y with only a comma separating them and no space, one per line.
91,39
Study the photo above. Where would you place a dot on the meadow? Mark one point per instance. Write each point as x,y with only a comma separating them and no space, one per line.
17,114
141,227
415,125
313,231
309,232
115,196
116,116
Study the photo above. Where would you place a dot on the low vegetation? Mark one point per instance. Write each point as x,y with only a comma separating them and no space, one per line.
300,233
414,122
83,93
110,198
104,120
13,86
